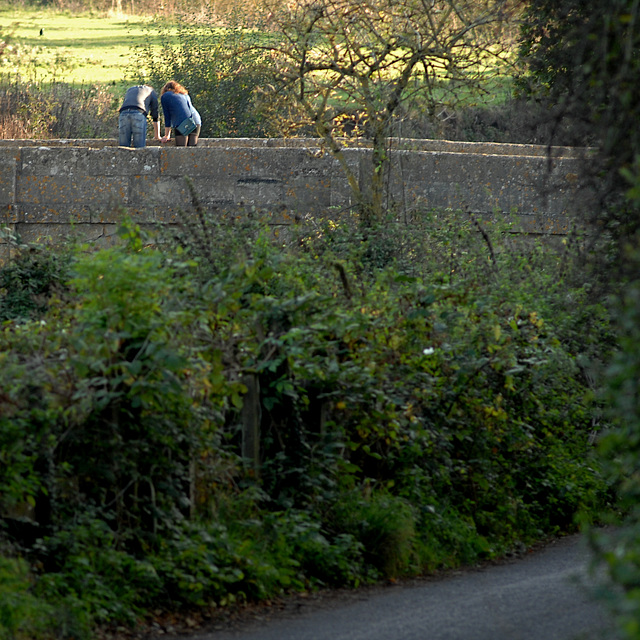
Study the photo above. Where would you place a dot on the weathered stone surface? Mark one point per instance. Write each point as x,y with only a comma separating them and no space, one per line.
67,198
409,144
54,184
96,234
9,159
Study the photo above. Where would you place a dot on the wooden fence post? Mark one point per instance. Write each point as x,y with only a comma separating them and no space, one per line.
251,421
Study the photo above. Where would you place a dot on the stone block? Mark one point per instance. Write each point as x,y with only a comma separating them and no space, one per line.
216,163
70,196
123,161
9,159
309,183
213,190
103,161
52,161
259,192
543,224
92,234
191,161
157,191
114,212
54,214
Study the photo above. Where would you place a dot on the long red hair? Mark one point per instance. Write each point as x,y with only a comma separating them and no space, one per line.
174,86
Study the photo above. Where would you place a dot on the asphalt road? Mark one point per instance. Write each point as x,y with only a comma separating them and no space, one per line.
542,596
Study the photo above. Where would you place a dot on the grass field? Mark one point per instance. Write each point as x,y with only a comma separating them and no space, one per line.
78,49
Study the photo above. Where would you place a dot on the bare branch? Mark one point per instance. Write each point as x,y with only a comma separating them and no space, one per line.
368,57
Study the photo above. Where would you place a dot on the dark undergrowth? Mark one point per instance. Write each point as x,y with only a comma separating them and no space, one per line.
427,399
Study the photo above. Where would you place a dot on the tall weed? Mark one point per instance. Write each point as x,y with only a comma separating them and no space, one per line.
38,110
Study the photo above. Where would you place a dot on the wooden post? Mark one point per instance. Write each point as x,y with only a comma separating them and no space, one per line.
251,421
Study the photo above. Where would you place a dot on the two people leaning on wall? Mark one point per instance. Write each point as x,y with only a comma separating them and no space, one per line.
141,101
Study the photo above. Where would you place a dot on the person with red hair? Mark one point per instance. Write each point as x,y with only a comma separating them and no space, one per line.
177,107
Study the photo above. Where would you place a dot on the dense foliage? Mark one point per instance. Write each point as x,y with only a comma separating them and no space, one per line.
215,64
618,548
582,59
428,394
425,402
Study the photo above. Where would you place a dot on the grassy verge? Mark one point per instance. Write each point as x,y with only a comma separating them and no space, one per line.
62,74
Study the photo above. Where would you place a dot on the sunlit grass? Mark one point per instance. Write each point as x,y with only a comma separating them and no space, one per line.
87,48
78,49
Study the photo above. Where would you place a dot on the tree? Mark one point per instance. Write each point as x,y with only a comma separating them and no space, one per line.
349,68
583,59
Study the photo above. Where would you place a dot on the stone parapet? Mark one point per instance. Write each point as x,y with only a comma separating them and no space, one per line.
48,188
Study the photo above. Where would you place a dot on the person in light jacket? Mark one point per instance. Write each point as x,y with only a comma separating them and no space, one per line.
176,105
139,101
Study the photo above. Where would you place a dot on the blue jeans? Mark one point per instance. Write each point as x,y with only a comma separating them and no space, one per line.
132,124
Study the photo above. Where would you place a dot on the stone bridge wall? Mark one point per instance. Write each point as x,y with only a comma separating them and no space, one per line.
49,187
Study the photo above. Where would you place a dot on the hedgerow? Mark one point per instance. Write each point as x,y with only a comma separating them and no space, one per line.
425,396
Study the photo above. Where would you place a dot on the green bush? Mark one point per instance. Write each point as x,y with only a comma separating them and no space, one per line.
324,558
424,402
384,525
220,68
618,549
22,615
30,279
89,574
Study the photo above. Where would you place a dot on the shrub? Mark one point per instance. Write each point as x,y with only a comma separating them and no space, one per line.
424,401
218,66
618,548
30,279
22,615
385,527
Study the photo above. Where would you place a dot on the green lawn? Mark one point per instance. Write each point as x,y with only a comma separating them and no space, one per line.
79,49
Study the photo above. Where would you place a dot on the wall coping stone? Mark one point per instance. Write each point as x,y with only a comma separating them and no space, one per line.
405,144
50,188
